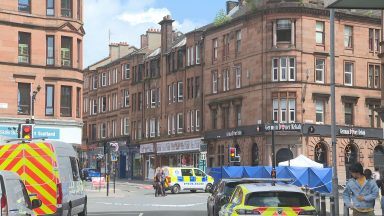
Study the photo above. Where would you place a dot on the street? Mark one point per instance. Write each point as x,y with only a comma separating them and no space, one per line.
139,200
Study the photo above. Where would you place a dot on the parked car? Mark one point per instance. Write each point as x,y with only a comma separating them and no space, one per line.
88,173
221,193
267,199
50,170
184,178
14,199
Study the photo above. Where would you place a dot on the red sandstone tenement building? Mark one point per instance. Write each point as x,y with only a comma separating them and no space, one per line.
189,97
41,45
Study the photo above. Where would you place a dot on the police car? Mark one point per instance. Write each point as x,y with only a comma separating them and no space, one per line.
268,199
184,178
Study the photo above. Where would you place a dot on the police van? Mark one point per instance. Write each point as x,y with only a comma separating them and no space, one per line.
185,178
50,170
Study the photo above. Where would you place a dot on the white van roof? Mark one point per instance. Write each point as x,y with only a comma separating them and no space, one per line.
61,148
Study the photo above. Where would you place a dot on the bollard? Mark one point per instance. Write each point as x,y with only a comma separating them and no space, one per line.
323,210
332,203
317,201
346,211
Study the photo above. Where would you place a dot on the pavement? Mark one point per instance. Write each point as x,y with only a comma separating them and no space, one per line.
137,198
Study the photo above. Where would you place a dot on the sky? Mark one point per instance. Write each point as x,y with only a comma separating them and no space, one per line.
126,20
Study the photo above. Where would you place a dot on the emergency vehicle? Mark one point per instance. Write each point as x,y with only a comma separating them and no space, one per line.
184,178
50,170
267,199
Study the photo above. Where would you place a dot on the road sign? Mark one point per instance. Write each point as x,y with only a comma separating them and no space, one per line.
113,157
115,146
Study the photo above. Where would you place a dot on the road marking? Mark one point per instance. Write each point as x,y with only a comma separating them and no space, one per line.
141,214
153,205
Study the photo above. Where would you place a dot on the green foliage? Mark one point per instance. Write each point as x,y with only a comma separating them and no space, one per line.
221,18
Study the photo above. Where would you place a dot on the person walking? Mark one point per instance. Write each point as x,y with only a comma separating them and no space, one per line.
360,193
163,182
157,182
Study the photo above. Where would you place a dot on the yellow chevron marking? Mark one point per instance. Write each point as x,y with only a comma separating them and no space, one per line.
39,188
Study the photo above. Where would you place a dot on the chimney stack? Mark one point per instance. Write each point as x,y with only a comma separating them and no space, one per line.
166,33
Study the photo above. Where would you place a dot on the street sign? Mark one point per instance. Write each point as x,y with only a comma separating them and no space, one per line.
113,157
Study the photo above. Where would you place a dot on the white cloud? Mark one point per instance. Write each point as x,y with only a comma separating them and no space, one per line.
126,24
152,15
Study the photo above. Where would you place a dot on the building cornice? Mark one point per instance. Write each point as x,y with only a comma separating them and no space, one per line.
63,79
41,66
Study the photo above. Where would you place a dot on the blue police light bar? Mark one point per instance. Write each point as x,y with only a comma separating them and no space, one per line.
355,4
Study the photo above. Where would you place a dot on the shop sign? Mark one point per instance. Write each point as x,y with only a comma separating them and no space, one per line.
234,133
146,148
179,145
282,127
352,132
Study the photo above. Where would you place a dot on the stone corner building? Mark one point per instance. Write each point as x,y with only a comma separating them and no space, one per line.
184,99
41,49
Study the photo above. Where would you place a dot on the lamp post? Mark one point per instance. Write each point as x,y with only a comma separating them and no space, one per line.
34,93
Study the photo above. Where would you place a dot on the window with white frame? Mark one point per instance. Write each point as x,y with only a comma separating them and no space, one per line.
284,110
126,126
191,120
225,80
192,55
127,71
103,104
169,124
197,54
94,82
180,123
180,93
292,110
153,98
320,69
188,56
158,97
152,127
275,115
115,75
214,82
319,111
283,69
169,94
94,107
174,90
238,41
103,79
139,130
373,76
238,76
126,98
348,36
114,128
158,126
103,130
147,98
348,73
283,30
215,44
319,32
173,124
197,121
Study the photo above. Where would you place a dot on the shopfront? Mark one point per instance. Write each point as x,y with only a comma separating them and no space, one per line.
147,152
179,153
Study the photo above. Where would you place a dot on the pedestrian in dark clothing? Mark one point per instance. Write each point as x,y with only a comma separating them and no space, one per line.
163,182
159,186
368,174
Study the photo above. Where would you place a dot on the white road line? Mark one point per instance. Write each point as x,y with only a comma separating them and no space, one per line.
141,214
152,205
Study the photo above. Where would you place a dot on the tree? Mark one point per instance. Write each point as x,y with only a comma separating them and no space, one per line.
221,18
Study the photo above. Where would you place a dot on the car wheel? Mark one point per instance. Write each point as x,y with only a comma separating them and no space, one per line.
208,187
193,191
175,189
85,211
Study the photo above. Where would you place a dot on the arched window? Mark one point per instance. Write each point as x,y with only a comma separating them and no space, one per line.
283,154
351,156
320,153
255,155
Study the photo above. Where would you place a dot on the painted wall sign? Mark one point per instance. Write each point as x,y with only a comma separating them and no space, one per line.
179,145
282,127
352,132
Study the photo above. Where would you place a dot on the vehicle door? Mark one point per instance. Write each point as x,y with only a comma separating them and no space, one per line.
17,198
187,174
201,179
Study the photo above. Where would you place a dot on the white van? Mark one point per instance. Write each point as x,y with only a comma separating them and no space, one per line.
14,199
50,170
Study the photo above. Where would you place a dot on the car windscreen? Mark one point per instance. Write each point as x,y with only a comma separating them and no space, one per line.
277,199
230,187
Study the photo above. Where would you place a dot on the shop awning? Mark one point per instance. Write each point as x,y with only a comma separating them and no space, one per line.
355,4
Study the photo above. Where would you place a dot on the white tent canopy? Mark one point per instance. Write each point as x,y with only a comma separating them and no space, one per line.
301,161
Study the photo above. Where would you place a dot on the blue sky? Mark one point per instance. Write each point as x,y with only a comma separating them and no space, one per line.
128,19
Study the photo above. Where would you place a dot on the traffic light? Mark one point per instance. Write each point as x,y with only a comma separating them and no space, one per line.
27,131
233,156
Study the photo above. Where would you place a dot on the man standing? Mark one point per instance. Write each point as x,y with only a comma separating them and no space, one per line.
360,193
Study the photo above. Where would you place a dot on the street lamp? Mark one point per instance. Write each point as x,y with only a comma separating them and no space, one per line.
34,93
